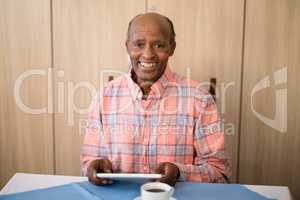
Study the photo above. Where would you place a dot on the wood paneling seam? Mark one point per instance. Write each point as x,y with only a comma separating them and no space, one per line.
53,85
241,92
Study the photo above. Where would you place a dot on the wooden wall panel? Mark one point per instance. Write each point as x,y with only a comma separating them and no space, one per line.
89,36
25,139
209,42
270,155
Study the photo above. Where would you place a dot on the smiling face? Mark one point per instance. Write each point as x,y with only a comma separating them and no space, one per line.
149,46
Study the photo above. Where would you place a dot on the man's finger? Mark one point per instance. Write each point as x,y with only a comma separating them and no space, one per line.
167,180
99,166
160,169
171,170
106,166
99,181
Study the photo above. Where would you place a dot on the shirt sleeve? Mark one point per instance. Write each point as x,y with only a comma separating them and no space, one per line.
210,163
92,148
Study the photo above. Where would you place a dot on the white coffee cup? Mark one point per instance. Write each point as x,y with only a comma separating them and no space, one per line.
156,191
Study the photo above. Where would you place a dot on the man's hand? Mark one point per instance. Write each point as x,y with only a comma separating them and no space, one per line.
99,166
169,171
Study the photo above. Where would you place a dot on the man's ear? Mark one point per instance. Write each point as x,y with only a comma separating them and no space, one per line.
173,47
126,44
128,57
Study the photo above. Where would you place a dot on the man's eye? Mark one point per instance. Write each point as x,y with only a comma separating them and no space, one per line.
139,45
159,46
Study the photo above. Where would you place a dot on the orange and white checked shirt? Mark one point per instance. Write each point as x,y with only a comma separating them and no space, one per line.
177,123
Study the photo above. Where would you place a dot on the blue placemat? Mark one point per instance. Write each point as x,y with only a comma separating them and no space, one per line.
129,190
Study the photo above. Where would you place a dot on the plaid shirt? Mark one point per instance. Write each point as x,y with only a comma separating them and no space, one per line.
177,123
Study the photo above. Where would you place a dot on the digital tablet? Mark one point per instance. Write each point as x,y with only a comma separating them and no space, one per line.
128,176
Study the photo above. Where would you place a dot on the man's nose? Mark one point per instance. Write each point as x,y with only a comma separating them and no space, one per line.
148,53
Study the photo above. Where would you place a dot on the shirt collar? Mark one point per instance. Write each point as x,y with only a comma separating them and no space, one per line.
157,89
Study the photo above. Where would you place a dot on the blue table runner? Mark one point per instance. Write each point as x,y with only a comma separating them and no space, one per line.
124,190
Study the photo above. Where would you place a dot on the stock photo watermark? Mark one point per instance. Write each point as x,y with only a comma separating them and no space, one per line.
279,122
68,89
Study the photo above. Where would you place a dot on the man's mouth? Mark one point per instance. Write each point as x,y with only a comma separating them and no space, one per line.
147,65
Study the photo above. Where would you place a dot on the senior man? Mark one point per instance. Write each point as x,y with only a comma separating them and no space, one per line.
152,120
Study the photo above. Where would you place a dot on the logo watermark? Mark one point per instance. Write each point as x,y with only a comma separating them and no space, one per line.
279,122
68,88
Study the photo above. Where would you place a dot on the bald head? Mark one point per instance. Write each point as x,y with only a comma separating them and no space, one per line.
163,22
